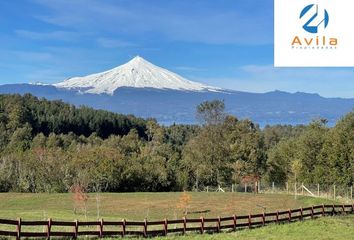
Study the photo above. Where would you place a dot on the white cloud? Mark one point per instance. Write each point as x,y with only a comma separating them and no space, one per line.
33,56
44,76
113,43
270,73
54,35
190,69
328,82
192,21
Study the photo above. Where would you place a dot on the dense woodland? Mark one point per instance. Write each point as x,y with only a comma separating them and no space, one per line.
50,146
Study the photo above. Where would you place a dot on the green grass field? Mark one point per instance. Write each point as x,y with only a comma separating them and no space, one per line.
137,206
336,228
157,206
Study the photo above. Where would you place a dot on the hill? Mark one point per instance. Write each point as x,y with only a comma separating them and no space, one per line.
57,117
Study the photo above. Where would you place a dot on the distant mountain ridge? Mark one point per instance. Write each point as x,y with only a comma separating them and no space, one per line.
145,90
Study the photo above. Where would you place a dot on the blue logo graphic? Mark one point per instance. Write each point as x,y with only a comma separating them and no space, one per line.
316,20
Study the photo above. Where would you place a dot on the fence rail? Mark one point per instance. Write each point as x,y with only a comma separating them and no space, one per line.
201,225
343,194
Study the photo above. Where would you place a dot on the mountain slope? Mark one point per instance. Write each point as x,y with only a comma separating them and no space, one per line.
145,90
137,73
173,106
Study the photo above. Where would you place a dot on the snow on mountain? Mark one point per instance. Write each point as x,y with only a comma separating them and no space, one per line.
137,73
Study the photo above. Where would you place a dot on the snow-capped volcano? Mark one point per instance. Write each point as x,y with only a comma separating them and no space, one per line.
145,90
137,73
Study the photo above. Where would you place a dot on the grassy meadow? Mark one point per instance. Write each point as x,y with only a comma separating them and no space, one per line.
157,206
327,228
137,206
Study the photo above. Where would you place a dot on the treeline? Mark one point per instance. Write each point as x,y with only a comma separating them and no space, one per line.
49,146
318,155
47,117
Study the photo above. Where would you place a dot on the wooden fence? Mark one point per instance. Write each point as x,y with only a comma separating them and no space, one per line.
162,228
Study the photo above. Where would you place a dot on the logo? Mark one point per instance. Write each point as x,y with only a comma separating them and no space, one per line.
313,33
315,18
315,21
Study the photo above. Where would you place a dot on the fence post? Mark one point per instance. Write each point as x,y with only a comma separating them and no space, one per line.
287,187
289,215
277,217
49,226
323,211
343,209
312,212
123,227
334,191
18,229
333,210
184,225
318,189
295,186
273,187
207,188
302,189
249,221
76,228
219,224
165,226
235,221
101,228
263,219
259,186
145,228
201,225
302,214
245,187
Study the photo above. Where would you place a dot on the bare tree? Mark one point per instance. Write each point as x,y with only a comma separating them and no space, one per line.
80,197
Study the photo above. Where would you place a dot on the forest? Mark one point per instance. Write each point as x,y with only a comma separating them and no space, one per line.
50,146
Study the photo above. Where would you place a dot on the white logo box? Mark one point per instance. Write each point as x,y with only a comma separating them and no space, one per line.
314,49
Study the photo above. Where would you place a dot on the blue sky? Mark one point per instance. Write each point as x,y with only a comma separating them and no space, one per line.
225,43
